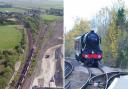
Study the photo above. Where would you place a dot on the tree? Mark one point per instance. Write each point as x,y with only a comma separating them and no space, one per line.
101,21
114,42
110,46
120,21
122,60
79,28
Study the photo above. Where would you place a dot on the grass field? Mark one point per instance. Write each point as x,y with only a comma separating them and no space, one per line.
9,36
50,18
44,5
11,9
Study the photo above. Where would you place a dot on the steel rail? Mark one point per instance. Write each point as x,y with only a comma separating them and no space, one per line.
91,77
68,70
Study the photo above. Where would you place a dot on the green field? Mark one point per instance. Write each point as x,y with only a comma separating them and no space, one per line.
43,5
11,9
9,36
50,18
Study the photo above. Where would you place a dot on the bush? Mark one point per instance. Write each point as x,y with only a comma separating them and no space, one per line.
3,82
7,72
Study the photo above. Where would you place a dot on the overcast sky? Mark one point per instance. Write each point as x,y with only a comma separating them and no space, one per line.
85,9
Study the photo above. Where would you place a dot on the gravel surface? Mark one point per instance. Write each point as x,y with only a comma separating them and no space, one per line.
78,76
96,71
110,69
80,73
48,69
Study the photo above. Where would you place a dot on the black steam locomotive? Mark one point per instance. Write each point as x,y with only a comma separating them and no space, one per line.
87,49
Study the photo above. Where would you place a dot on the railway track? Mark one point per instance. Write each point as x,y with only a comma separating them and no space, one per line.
67,85
92,74
97,78
68,70
112,76
31,48
100,81
27,62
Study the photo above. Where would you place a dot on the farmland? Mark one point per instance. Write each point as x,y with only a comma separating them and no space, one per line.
9,36
50,18
11,9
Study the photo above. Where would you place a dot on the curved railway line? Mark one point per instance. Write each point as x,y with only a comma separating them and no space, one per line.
92,75
68,70
112,76
100,81
97,77
27,61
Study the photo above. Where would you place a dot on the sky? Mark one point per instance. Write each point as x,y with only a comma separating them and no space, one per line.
85,9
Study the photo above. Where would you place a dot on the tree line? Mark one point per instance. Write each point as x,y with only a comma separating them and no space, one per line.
115,37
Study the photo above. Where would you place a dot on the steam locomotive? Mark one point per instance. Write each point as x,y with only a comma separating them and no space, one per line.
87,49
